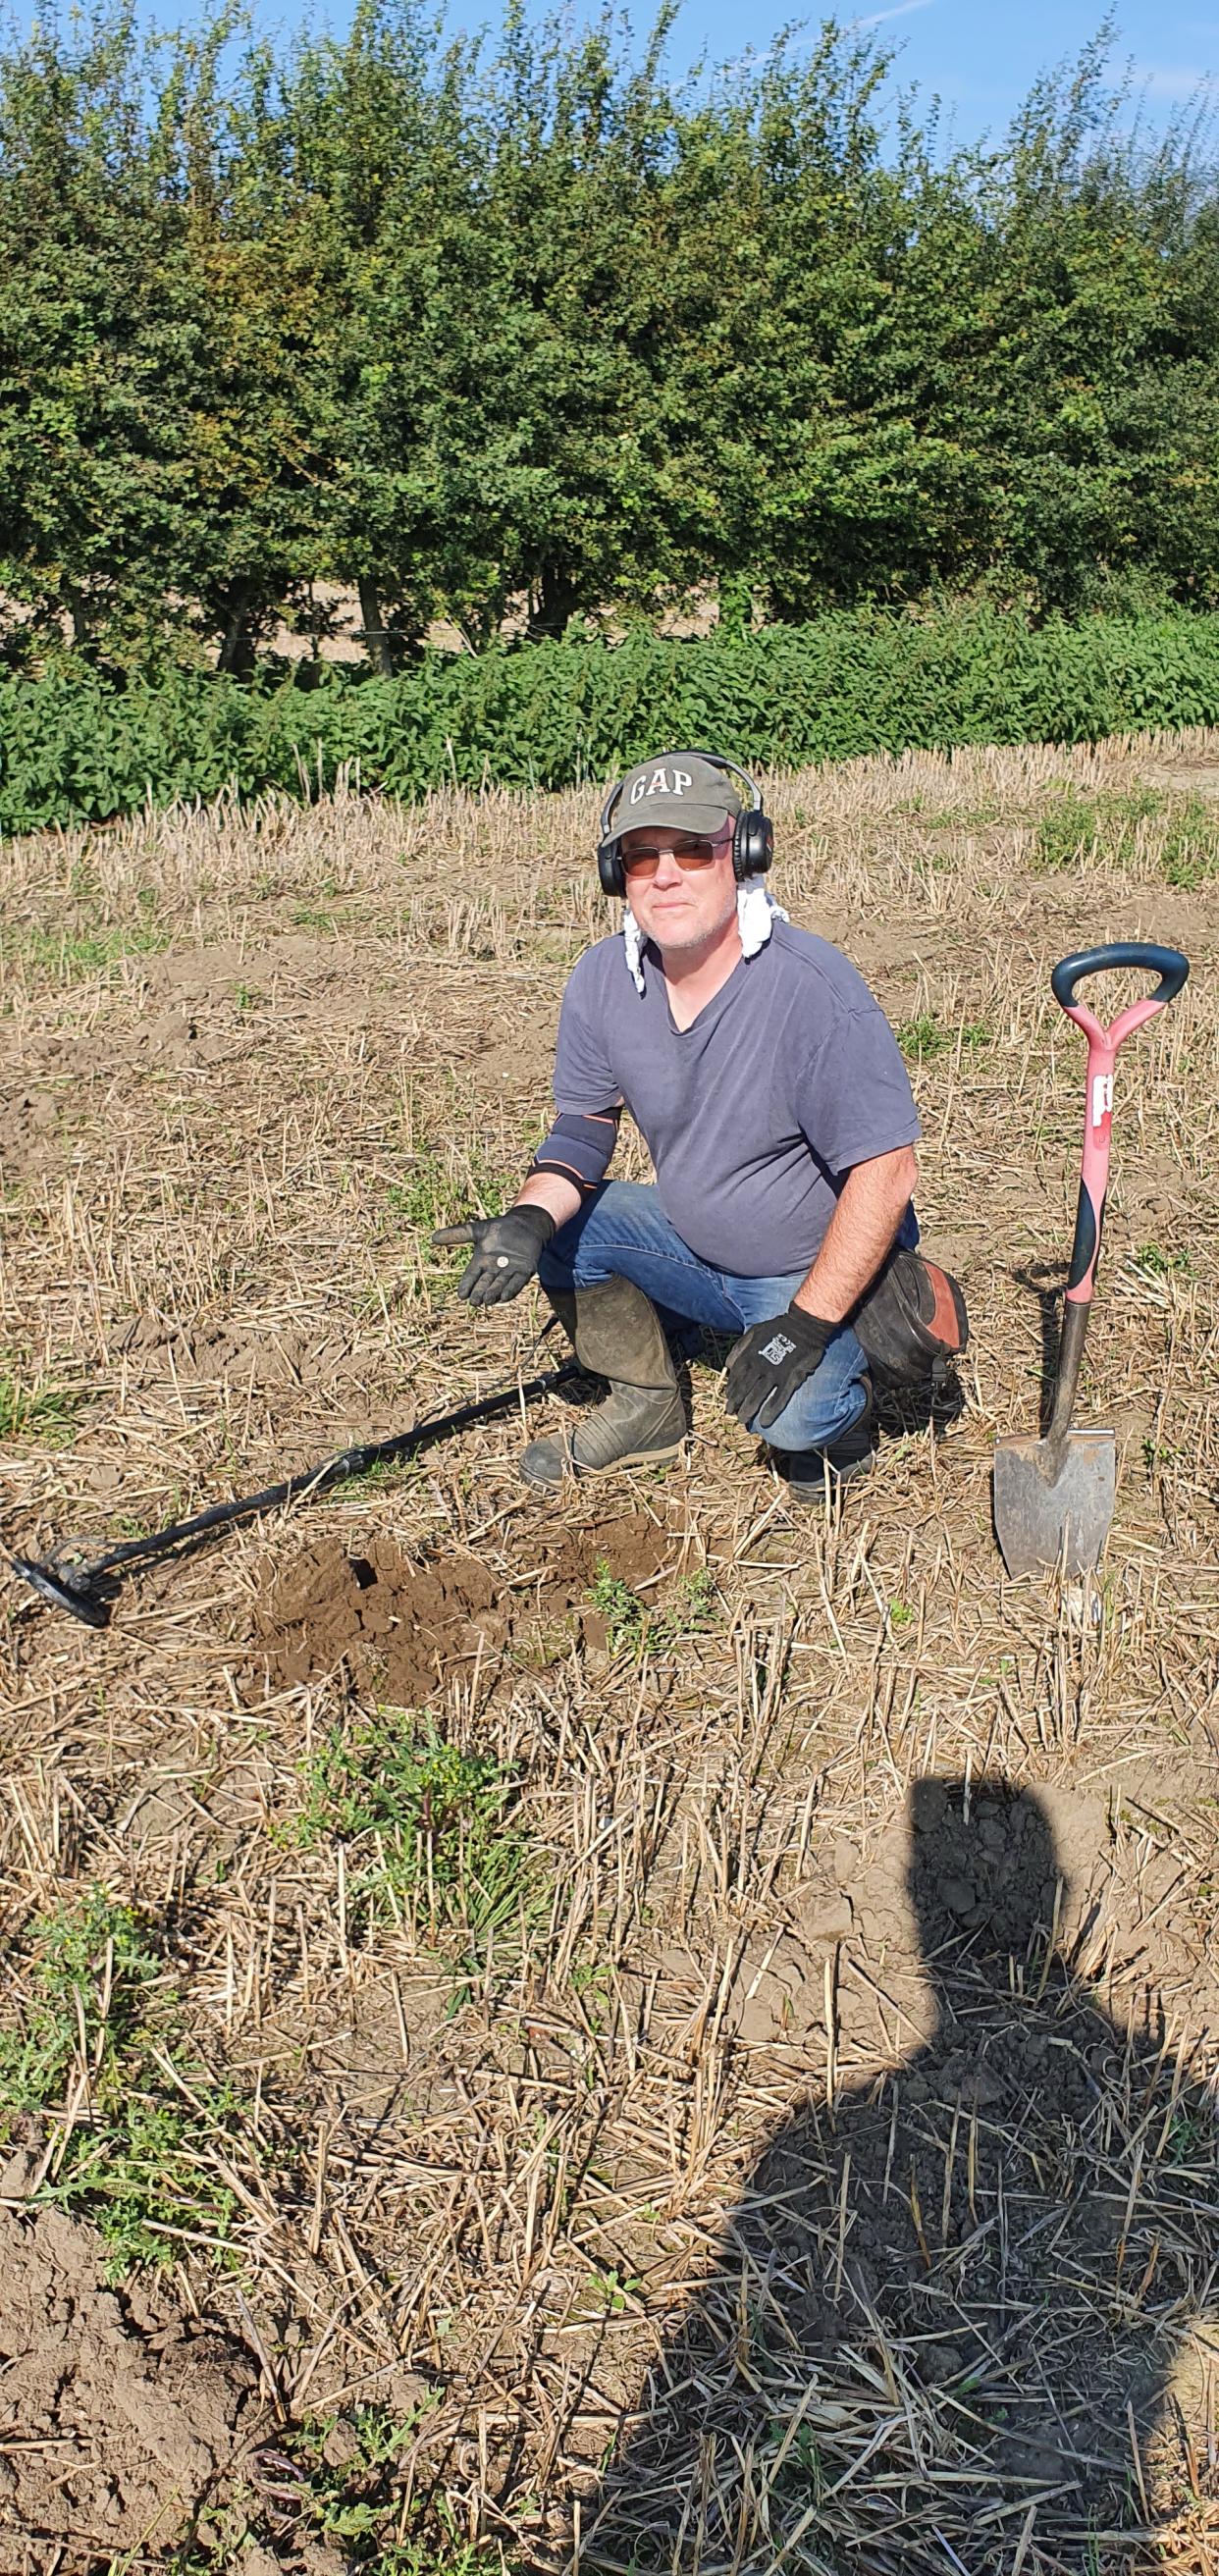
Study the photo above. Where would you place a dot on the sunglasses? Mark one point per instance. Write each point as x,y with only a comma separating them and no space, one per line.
689,850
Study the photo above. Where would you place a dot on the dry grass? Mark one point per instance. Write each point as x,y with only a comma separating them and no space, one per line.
691,2216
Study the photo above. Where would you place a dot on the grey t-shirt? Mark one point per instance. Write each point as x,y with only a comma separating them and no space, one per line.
755,1114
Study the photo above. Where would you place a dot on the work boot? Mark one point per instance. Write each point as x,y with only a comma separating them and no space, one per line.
617,1334
817,1476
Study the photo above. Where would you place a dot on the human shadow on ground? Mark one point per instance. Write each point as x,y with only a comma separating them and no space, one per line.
943,2318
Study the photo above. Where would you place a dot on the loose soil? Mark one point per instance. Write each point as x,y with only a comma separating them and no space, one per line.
804,2150
119,2419
402,1627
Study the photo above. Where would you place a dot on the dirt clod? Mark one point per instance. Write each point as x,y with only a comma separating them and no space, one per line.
407,1622
107,2433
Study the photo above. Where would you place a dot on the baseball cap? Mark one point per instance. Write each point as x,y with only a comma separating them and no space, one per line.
679,788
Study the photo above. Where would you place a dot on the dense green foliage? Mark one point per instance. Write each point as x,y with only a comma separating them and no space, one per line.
555,713
534,326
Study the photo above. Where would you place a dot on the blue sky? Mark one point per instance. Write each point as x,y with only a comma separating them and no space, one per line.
980,56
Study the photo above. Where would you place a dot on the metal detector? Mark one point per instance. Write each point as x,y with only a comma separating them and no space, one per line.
87,1587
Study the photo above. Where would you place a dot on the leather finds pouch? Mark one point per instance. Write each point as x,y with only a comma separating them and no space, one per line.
912,1324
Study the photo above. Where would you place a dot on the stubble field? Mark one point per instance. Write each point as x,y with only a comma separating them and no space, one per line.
652,2033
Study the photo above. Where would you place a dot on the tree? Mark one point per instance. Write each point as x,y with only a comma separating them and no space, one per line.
98,340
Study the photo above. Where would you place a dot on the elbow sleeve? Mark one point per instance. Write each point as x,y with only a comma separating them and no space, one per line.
579,1147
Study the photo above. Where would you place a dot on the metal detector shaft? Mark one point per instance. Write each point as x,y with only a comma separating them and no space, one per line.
57,1583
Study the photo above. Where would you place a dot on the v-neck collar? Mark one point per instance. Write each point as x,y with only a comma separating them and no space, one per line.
715,1001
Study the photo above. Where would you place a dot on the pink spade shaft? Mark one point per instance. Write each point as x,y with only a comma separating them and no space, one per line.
1103,1045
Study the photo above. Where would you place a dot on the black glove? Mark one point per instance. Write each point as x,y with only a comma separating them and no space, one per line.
507,1250
770,1362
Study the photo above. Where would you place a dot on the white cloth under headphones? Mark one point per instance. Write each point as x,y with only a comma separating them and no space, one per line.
756,914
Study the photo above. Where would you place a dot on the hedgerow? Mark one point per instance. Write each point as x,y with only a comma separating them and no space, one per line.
548,715
482,329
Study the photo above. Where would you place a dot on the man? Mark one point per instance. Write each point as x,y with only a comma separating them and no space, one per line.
770,1091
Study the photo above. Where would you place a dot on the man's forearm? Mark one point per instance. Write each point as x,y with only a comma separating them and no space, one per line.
549,1190
861,1232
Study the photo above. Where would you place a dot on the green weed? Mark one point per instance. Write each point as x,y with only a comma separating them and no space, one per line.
358,2498
432,1828
1066,832
803,2465
614,2291
66,956
422,1201
632,1627
625,1618
1104,828
1191,850
38,1412
386,1472
925,1036
99,2047
1188,2132
447,2556
340,2480
1158,1264
216,2546
1074,827
434,1194
351,2496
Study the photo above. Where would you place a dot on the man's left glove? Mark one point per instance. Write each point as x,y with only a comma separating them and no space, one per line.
770,1364
507,1250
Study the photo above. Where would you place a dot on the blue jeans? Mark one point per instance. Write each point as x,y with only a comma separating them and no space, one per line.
622,1232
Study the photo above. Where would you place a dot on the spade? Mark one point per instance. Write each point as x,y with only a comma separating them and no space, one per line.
1053,1498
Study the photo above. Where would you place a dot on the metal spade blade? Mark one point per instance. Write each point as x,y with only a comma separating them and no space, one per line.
1054,1508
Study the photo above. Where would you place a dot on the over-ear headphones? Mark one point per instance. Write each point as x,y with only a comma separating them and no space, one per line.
753,841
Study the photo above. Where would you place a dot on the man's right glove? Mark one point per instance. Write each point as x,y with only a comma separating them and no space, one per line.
771,1362
507,1250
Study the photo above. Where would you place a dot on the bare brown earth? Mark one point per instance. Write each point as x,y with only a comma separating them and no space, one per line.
411,1624
820,2172
116,2415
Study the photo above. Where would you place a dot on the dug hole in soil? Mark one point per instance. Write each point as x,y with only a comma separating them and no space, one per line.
404,1622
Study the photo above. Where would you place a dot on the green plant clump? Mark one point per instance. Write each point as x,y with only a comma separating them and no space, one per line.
1191,847
548,715
631,1627
925,1037
346,2483
66,956
435,1194
1077,830
1156,1263
433,1829
144,2128
38,1412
